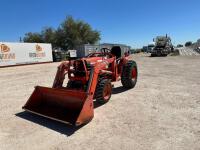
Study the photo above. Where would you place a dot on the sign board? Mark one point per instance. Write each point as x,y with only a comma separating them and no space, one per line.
72,53
24,53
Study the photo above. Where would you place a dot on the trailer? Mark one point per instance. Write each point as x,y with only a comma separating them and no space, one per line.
86,49
12,54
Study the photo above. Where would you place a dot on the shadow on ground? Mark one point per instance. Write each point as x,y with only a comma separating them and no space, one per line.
57,126
119,90
51,124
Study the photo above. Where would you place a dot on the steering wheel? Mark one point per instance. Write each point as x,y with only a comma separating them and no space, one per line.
94,55
104,52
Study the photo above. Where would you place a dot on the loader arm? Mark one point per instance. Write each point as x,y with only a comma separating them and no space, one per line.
87,112
96,70
60,75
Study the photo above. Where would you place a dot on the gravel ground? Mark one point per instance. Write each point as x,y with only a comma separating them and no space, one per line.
161,113
188,51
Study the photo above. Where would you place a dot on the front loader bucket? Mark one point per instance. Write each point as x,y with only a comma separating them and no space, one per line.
64,105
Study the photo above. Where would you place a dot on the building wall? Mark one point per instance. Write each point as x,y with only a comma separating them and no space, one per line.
85,50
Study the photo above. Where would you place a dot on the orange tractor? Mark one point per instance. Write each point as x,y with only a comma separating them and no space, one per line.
88,79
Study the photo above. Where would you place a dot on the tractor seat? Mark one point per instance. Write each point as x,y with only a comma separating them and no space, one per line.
116,51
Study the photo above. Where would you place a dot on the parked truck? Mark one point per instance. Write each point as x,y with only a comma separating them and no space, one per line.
163,46
150,47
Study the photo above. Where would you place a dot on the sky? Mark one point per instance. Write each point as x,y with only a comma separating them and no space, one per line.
131,22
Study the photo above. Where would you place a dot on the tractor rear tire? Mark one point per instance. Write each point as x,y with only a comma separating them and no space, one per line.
103,91
129,75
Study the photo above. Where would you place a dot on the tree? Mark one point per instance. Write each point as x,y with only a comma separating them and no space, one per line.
48,36
33,38
179,45
69,34
189,43
76,32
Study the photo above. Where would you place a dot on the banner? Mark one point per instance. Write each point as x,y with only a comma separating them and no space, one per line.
24,53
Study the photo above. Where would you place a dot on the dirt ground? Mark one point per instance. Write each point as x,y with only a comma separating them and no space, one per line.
161,113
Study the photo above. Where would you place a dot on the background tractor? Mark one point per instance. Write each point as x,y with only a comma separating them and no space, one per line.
163,46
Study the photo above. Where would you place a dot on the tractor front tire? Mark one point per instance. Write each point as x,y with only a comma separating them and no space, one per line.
129,75
103,91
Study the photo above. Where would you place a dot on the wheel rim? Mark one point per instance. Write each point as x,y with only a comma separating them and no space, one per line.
107,92
134,73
